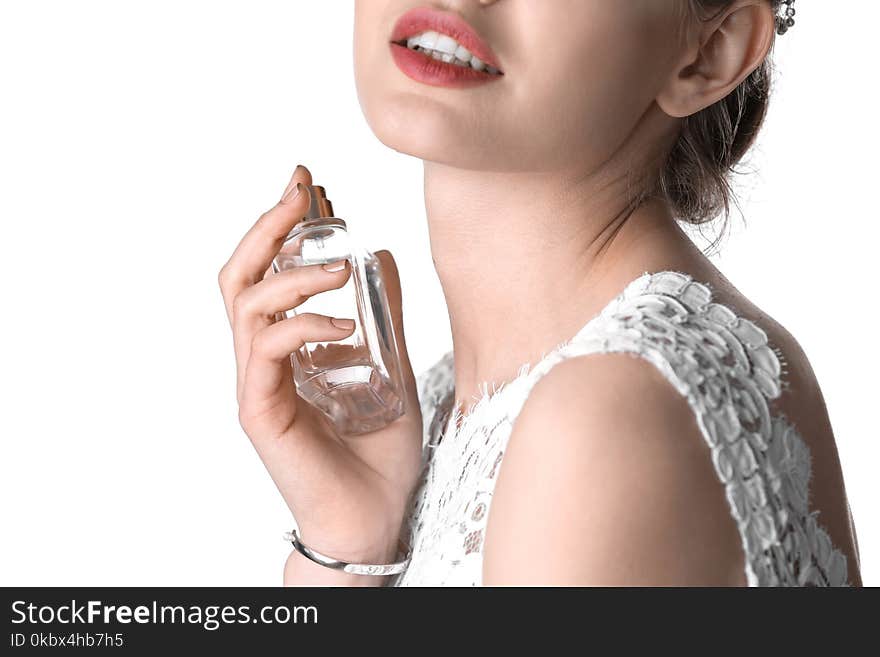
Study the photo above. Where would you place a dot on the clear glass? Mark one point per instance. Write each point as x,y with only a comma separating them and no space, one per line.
357,381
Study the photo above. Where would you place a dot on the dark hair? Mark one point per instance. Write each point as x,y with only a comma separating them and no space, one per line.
695,176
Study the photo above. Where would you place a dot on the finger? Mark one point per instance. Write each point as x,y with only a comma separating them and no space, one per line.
256,306
391,277
253,256
288,289
272,346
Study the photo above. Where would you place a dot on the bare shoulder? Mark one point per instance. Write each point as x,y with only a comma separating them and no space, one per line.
607,477
607,480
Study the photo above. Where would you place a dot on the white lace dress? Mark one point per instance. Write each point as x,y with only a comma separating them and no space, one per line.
720,362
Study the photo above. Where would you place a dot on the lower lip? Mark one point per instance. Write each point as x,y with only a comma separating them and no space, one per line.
428,70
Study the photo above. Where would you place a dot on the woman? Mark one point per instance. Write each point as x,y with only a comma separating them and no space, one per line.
647,424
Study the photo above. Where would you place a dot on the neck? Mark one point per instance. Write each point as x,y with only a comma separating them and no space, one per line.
525,260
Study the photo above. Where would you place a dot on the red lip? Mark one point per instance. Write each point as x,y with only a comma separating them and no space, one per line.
422,19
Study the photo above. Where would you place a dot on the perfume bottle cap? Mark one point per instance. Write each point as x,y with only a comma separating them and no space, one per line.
320,205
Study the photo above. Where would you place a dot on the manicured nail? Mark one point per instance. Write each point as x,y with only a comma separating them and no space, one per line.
290,183
299,169
345,324
334,267
292,192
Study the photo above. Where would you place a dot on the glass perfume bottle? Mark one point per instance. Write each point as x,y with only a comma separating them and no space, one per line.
356,382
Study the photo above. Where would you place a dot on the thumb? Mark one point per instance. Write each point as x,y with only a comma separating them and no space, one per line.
391,276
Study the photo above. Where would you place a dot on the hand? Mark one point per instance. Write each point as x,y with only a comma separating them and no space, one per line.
348,494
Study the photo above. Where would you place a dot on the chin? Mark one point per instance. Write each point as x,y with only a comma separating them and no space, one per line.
420,127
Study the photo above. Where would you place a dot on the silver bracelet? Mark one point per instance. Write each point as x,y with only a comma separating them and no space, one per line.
354,568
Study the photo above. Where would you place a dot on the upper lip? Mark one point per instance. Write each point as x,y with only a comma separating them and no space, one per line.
421,19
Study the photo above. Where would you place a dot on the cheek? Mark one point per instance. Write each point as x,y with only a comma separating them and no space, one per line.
374,71
587,91
361,43
366,56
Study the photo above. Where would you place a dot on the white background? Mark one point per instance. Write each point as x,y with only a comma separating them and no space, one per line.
138,142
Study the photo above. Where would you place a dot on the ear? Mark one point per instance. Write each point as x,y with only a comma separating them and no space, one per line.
722,51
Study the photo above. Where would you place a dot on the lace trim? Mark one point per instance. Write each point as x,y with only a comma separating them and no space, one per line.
720,362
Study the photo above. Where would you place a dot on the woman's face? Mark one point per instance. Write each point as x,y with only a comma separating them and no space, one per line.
578,76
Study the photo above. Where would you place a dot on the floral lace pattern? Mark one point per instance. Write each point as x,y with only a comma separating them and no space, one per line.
720,362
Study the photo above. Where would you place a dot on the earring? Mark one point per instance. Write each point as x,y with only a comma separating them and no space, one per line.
785,16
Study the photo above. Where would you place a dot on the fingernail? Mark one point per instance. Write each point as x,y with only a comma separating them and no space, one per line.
299,168
292,191
346,324
333,267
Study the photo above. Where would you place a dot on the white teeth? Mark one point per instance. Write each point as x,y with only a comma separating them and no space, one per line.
444,48
428,40
446,44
